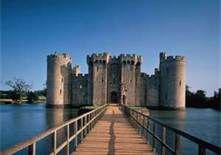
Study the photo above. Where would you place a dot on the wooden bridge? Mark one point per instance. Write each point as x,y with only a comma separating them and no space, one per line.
112,129
113,135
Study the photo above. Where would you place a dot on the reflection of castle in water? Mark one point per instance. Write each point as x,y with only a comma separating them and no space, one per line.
55,117
175,119
116,80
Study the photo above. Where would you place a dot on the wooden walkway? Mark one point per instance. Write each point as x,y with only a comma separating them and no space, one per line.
113,135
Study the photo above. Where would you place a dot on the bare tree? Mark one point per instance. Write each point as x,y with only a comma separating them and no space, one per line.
19,88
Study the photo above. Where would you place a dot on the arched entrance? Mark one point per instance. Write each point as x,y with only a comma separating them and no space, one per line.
114,97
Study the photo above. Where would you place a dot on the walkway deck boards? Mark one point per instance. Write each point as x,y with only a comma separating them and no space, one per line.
113,135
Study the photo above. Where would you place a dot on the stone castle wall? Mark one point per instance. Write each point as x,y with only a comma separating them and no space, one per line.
79,90
152,93
141,89
116,79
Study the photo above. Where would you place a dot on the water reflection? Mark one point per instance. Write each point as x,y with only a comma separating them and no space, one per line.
22,122
55,117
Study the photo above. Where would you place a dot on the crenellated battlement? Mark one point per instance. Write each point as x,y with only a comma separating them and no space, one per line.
98,58
155,75
58,55
165,58
130,58
81,76
114,59
144,75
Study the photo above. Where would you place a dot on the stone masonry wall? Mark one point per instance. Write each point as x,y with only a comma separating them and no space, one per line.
79,90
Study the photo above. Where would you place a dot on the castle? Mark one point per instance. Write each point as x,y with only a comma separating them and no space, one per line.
116,80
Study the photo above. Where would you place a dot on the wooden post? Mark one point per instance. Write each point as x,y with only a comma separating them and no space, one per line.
177,144
82,132
55,142
202,150
90,126
154,133
163,151
32,149
75,132
68,136
85,122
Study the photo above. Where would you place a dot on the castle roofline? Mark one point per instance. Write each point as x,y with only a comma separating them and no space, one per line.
165,58
59,55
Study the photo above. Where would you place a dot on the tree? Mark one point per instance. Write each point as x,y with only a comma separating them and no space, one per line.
32,96
19,88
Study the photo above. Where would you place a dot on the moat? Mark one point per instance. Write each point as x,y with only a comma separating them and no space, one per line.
25,121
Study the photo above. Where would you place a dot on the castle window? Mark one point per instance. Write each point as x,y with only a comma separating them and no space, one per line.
180,83
97,68
60,91
130,81
62,80
102,80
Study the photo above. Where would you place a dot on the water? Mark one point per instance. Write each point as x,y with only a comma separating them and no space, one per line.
202,123
21,122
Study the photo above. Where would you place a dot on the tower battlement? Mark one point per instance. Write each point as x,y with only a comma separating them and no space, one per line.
81,76
114,59
98,58
165,58
130,58
58,55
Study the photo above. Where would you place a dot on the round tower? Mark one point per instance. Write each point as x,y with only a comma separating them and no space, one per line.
172,81
58,80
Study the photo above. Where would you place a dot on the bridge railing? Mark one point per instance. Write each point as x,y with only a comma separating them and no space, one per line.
147,127
75,130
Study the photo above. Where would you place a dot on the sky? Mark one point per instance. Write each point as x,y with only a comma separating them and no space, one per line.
32,29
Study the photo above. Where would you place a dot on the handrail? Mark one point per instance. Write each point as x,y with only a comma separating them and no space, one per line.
86,121
143,124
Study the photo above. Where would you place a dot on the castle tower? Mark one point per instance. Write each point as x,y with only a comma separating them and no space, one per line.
172,81
130,70
97,81
58,80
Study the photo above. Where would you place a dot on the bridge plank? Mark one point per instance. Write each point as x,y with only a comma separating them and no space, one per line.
113,135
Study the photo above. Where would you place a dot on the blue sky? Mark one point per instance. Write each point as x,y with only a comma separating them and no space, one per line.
32,29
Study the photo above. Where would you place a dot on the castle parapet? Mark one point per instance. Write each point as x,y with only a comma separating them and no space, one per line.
130,59
81,76
98,58
164,58
57,55
114,60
